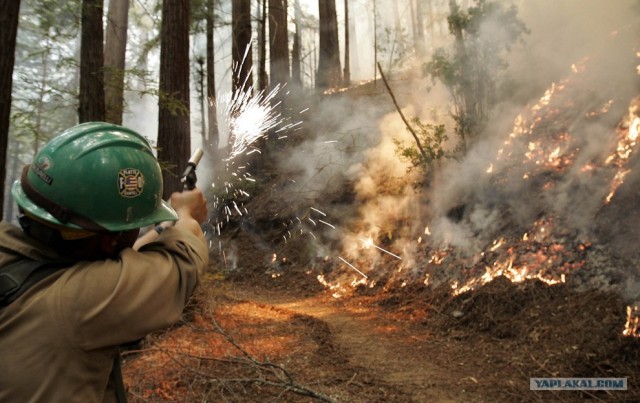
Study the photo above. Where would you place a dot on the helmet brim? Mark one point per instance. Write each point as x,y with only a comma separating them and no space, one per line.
164,212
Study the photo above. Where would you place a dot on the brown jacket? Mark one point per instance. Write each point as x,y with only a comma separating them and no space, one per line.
58,340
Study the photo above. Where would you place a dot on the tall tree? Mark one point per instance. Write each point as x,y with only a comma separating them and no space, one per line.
418,26
375,42
472,72
174,135
202,98
8,32
263,79
347,60
92,107
329,71
296,52
114,59
242,59
45,93
278,42
213,133
354,60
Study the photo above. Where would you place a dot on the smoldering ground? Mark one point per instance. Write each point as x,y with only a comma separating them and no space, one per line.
583,53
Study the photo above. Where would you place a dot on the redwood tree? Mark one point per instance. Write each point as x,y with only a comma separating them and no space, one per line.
263,79
174,135
296,52
114,59
278,42
91,107
329,71
213,133
347,62
242,60
8,31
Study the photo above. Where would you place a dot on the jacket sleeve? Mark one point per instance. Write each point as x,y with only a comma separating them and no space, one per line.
111,302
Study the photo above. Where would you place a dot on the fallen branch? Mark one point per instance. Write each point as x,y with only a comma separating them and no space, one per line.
283,377
404,119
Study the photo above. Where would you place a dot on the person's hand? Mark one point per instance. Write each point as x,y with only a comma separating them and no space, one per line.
190,204
191,207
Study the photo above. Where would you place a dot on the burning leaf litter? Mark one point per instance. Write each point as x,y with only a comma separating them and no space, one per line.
545,147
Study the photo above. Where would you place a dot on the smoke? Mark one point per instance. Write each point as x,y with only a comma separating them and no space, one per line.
564,32
597,41
543,155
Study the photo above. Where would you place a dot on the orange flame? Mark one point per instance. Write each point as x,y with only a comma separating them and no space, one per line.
632,327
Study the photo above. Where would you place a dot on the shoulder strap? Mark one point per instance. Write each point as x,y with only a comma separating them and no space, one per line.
116,373
18,277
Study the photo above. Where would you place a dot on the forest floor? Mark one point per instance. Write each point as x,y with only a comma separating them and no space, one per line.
258,332
253,336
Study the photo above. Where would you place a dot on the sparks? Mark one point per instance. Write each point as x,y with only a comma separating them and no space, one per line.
248,118
327,224
353,267
369,242
318,211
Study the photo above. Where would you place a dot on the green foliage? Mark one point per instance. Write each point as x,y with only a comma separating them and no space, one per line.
471,72
171,102
432,138
199,14
44,100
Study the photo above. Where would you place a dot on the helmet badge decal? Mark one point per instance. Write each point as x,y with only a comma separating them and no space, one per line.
43,164
130,182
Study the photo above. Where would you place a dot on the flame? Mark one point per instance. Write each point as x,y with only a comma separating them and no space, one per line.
337,288
604,109
632,326
438,256
540,148
628,139
497,244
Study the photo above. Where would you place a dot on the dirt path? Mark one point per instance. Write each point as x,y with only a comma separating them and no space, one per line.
374,342
382,348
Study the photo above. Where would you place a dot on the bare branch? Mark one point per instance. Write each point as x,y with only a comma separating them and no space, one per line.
404,119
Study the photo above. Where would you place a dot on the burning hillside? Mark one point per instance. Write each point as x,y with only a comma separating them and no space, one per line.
549,200
539,203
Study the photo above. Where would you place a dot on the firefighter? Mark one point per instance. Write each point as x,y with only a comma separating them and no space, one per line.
82,203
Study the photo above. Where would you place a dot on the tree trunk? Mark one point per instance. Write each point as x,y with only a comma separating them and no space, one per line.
329,71
91,107
296,52
469,99
354,61
8,32
347,62
241,54
114,59
397,27
417,19
278,43
202,99
375,43
174,136
263,79
213,133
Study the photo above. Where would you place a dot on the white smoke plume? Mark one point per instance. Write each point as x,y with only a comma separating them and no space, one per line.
474,199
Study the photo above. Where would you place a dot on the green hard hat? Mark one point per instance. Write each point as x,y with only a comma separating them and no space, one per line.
95,176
